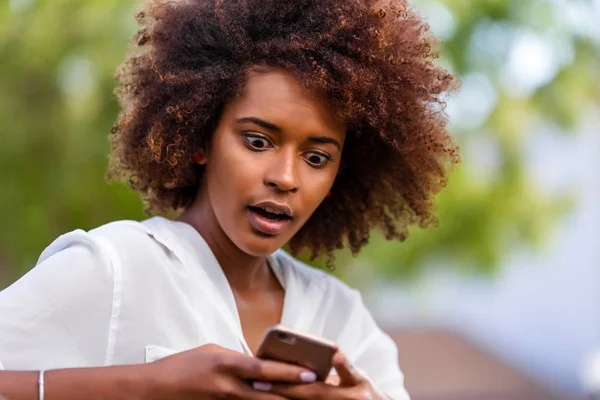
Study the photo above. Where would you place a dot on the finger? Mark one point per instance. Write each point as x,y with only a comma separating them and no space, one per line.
312,391
247,392
349,375
333,380
272,371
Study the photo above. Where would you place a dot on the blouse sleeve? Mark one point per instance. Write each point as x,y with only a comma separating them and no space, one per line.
58,315
373,351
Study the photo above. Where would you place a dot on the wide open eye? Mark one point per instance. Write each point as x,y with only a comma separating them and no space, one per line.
317,159
257,142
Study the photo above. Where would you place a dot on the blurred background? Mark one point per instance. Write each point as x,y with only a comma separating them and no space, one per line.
501,301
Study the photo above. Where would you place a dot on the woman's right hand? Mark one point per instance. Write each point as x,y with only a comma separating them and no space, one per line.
213,372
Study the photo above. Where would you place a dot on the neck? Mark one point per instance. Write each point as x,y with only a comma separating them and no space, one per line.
244,272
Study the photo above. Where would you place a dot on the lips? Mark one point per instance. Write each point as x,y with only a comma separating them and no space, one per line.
274,208
269,218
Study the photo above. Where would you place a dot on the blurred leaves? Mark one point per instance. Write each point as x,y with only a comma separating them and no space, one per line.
56,107
492,206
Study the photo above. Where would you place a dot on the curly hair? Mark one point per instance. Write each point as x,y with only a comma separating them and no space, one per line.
372,61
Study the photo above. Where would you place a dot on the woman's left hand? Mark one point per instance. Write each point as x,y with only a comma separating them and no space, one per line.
352,385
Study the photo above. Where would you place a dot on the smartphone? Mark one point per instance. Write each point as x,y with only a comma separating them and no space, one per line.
287,345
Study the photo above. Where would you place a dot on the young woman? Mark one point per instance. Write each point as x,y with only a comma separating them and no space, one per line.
253,124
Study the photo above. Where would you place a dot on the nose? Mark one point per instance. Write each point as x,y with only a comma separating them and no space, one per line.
282,172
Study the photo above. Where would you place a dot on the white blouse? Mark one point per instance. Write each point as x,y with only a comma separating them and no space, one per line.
133,292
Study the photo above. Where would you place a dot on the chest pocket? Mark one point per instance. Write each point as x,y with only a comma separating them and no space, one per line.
155,353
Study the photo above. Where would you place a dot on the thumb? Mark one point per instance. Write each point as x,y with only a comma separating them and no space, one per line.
349,375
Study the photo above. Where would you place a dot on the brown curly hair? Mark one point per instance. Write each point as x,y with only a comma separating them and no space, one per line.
372,62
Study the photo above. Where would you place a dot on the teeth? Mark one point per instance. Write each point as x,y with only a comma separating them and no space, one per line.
272,210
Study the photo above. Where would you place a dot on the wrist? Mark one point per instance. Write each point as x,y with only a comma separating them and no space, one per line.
145,383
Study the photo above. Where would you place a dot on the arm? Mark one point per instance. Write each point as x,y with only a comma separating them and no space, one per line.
370,349
58,314
376,355
207,372
124,382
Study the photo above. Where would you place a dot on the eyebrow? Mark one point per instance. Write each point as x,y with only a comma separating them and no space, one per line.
276,128
260,122
325,140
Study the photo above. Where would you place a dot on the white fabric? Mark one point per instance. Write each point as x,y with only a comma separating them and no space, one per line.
134,292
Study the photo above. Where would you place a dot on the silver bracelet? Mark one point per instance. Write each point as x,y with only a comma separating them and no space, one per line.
41,385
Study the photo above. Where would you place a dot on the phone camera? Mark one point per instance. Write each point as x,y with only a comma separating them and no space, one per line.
286,338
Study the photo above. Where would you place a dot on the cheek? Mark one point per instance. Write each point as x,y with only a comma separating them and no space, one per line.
234,176
316,184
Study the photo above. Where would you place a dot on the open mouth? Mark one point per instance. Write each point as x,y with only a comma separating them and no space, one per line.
269,218
270,214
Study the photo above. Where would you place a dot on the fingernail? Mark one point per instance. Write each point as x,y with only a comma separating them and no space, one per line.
262,386
308,377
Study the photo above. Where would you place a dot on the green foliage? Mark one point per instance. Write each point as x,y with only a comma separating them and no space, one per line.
56,106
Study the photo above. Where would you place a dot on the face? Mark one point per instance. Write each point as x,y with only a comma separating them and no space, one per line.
273,158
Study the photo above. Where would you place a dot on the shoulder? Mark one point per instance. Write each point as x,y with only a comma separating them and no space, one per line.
112,240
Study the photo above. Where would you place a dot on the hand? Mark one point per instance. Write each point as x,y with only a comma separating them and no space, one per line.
333,380
351,384
212,372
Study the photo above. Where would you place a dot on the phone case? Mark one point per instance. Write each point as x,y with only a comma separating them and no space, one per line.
287,345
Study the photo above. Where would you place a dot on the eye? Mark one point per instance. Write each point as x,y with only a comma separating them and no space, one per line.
317,160
257,142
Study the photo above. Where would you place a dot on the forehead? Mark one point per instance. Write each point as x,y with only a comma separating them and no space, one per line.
278,97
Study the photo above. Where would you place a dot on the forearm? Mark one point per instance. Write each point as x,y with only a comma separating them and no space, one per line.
120,383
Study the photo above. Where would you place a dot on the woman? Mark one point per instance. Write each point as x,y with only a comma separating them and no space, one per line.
254,124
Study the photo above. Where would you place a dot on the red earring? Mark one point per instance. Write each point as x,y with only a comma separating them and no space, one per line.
328,194
199,157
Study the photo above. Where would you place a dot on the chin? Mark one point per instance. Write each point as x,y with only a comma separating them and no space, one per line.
258,246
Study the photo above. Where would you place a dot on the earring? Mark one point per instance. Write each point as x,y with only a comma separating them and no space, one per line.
328,195
199,158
